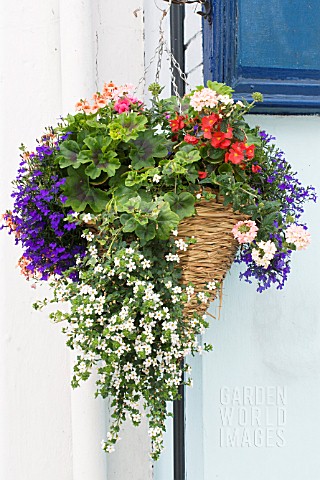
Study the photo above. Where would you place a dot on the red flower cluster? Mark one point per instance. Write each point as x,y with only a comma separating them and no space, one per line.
207,124
239,152
191,139
177,123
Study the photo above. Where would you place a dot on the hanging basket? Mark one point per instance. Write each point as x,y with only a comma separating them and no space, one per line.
210,258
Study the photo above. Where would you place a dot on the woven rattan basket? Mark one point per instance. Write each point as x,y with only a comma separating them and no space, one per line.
212,255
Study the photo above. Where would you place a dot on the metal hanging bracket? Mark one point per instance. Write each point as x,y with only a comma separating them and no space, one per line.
206,7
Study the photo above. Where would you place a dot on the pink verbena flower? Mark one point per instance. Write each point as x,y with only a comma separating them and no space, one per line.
299,236
204,98
245,231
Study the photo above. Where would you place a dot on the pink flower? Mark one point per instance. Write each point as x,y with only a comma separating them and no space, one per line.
245,231
299,236
204,98
83,106
122,105
100,101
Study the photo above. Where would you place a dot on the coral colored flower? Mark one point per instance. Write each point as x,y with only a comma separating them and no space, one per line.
191,139
221,139
83,106
177,123
256,168
299,236
100,101
108,89
245,231
202,175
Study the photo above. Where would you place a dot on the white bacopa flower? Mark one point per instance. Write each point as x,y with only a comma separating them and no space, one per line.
93,251
146,264
131,266
175,233
116,262
190,290
211,285
172,257
156,178
202,297
177,289
86,217
198,196
181,244
88,236
130,251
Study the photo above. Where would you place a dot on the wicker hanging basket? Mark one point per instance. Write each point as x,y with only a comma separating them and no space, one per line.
210,258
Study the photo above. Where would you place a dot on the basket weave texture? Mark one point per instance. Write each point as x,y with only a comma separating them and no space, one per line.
210,258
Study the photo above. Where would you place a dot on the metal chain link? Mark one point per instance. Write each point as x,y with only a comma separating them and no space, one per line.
173,63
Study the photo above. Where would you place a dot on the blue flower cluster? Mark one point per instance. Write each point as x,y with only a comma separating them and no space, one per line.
50,242
292,195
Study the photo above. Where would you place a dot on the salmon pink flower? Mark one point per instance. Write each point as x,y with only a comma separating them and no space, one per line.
100,101
83,106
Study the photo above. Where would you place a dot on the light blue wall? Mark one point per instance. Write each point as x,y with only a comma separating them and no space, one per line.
266,340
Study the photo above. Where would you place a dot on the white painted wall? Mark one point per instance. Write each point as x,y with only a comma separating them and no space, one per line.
52,54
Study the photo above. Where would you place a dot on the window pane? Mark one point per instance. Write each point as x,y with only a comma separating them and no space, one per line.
279,34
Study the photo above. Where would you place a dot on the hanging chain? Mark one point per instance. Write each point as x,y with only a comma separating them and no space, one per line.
158,54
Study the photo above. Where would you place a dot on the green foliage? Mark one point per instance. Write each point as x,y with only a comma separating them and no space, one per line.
81,194
146,148
220,88
182,204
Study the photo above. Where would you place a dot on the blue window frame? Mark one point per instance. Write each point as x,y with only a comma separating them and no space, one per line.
272,47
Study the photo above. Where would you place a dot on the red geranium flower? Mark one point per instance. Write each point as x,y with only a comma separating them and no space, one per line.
191,139
256,168
250,152
235,154
177,123
207,124
202,175
221,139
